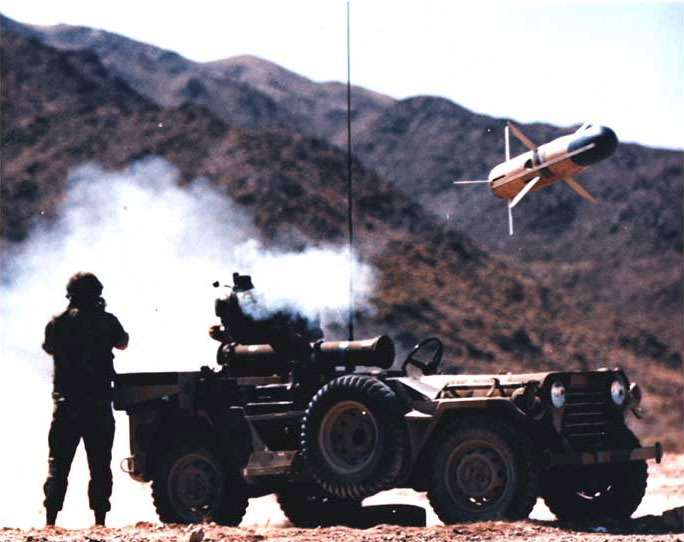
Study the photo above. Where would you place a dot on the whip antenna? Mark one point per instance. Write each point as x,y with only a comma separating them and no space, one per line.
349,190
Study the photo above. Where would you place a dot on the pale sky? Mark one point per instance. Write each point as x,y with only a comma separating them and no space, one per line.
616,63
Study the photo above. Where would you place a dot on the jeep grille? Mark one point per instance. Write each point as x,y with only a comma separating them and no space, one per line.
585,418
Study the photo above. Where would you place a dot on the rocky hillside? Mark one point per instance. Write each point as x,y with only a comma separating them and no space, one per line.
422,144
245,91
625,252
64,108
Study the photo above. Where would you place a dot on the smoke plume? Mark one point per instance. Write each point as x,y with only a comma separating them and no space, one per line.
157,248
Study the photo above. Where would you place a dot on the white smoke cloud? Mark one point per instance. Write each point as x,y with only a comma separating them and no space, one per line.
284,281
157,248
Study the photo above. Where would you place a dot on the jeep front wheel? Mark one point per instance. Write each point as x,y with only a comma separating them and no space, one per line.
192,485
481,471
612,490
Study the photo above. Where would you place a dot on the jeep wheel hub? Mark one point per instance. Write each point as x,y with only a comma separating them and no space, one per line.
195,485
477,474
348,437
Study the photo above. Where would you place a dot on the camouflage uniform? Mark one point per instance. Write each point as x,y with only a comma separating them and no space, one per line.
81,341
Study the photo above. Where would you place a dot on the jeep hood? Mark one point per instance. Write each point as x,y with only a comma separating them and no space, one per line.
431,386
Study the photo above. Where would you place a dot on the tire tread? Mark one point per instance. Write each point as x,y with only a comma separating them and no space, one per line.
385,405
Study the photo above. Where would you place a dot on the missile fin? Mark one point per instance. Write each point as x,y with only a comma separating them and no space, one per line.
522,137
520,195
577,187
510,219
507,140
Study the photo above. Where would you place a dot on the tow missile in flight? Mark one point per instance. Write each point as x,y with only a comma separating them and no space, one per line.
549,163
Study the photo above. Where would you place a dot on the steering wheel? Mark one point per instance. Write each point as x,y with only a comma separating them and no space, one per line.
429,368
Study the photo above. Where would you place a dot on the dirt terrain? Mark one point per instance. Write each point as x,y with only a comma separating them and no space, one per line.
659,517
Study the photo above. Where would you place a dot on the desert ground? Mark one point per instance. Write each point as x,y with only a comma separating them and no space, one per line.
658,518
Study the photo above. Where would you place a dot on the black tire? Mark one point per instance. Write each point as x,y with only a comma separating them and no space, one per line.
311,507
193,485
481,470
611,490
354,438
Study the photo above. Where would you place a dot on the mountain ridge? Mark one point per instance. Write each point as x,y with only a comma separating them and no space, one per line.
61,109
444,142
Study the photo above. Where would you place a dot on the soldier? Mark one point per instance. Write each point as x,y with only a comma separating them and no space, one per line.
81,340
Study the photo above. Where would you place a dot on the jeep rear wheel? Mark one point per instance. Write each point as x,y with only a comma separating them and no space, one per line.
612,490
354,438
192,485
348,437
481,471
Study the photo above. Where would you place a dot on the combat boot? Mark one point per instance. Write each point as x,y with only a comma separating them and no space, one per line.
51,516
100,517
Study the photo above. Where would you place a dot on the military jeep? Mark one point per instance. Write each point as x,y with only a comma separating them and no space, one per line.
326,436
326,430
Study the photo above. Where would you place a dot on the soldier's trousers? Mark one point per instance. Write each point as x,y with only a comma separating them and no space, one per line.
71,422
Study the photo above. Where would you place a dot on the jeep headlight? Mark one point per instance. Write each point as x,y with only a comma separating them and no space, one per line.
558,394
618,391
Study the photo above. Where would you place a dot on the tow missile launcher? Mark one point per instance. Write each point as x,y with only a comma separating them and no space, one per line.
327,429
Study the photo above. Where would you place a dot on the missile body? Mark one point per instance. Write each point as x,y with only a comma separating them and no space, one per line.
553,161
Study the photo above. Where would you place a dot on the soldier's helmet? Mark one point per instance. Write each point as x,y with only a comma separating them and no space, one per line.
83,285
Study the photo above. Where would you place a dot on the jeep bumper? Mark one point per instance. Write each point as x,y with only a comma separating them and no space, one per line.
606,456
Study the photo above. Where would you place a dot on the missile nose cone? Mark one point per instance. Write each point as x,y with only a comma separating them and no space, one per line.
605,142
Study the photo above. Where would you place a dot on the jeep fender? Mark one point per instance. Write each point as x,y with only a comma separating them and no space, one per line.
422,424
154,431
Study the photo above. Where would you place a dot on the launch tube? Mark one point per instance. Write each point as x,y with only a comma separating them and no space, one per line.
375,352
